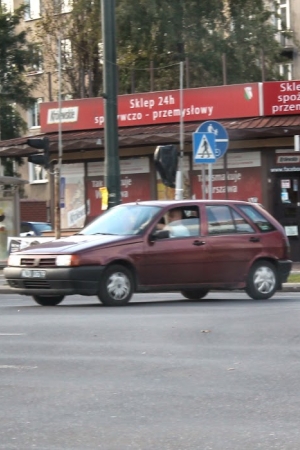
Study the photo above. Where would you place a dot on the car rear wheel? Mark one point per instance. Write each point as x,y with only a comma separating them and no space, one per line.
262,281
45,300
116,286
195,294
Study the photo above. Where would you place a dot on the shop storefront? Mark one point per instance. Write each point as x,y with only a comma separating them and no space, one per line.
260,119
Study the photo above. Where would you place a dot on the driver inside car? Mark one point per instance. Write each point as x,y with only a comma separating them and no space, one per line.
174,224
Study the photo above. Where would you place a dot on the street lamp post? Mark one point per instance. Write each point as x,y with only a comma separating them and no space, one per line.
112,165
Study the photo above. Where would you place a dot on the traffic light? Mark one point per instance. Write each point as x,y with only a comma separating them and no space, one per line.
43,158
166,160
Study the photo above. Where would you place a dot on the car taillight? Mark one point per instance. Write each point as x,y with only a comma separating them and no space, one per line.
286,249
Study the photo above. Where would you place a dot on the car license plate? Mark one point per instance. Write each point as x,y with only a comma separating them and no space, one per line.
33,273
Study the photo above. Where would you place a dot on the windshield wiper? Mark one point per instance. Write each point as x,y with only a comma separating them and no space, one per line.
106,234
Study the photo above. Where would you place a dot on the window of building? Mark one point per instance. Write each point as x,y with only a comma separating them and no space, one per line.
34,114
37,174
33,10
8,5
62,6
286,71
66,53
36,63
284,18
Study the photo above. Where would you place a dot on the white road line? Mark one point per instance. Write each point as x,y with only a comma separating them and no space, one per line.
12,334
17,367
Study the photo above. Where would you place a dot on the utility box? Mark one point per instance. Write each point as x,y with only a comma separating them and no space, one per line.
9,212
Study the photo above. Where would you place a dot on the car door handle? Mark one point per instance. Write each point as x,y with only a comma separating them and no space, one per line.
254,239
198,243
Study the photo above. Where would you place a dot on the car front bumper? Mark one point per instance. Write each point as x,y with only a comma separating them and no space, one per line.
56,281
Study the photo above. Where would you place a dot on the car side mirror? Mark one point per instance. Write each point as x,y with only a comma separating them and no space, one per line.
160,234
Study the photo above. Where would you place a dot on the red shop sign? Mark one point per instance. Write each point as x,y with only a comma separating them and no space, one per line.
152,108
281,98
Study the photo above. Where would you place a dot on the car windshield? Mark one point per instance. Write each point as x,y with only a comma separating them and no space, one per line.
43,226
122,220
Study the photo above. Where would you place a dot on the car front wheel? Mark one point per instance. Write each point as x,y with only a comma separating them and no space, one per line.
262,281
195,294
116,286
51,300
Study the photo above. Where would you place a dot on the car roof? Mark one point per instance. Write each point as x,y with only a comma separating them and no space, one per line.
164,203
27,221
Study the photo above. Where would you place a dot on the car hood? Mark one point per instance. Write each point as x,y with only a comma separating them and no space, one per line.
77,243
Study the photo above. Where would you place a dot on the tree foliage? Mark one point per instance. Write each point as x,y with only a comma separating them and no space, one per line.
79,32
15,88
159,33
240,30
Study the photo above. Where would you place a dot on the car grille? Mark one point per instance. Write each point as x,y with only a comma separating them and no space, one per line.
38,262
29,284
36,284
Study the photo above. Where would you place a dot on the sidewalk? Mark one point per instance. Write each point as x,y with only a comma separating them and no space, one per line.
287,287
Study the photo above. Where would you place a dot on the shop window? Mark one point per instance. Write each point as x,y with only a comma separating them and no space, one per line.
289,190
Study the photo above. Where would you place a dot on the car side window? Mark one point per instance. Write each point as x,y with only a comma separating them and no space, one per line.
255,216
25,228
241,225
181,222
219,220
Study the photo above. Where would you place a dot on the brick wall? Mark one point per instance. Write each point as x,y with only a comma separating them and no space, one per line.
33,211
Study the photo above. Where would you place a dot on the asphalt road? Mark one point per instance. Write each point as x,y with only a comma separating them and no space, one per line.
161,373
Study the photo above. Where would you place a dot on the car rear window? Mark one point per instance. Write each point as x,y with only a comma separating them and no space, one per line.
256,217
225,220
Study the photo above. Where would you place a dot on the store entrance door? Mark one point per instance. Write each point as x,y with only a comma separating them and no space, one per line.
287,208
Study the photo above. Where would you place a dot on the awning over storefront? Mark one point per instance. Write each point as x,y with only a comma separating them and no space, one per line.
238,129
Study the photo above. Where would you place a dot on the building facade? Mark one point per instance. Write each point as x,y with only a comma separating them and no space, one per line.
260,165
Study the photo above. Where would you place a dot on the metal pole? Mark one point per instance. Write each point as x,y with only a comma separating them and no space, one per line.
179,173
58,167
224,68
203,177
210,181
263,65
111,151
151,76
226,176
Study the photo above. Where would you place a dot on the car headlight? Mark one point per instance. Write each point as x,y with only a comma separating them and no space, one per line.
14,260
67,260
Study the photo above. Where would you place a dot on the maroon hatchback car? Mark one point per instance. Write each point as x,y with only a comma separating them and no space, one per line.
190,246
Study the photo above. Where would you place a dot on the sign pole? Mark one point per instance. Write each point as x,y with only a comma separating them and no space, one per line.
203,177
210,142
57,172
179,173
209,181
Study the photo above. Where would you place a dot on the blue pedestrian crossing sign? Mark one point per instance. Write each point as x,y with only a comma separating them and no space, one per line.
221,136
203,148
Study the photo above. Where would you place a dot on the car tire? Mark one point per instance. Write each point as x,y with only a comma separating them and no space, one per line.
48,300
116,286
195,294
262,281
